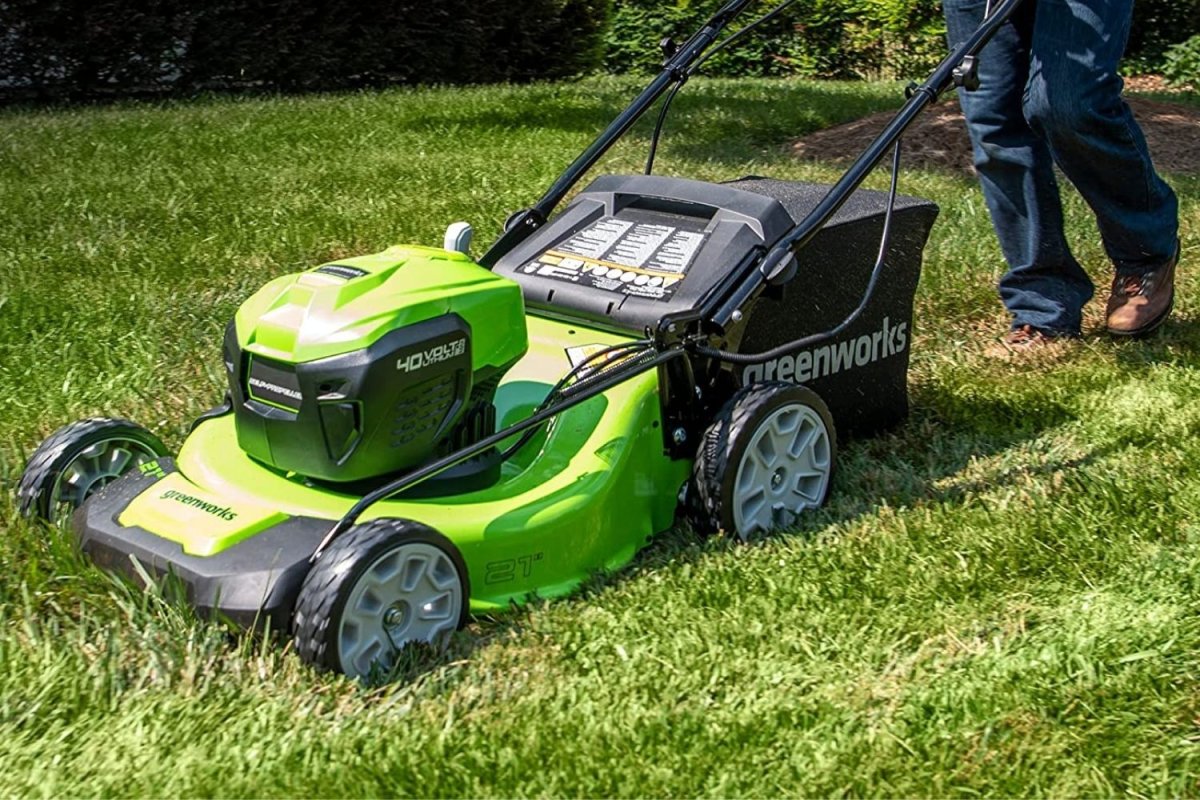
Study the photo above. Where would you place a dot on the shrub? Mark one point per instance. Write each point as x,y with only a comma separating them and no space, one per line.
1182,63
823,38
1157,26
852,38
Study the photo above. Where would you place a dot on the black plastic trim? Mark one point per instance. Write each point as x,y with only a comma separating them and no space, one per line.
251,584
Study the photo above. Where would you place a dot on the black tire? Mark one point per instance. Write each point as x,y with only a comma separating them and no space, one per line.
720,504
324,618
39,493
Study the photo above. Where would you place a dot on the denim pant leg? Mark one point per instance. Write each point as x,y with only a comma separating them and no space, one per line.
1044,287
1074,101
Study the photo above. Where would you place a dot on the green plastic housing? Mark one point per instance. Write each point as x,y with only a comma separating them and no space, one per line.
370,365
585,495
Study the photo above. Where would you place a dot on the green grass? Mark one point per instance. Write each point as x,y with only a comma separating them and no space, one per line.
1001,598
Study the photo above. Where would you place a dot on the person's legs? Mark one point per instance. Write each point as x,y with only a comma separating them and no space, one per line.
1074,101
1044,288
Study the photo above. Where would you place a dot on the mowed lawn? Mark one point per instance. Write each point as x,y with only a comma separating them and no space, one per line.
1002,596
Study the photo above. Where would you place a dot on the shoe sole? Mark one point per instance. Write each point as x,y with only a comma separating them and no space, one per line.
1149,327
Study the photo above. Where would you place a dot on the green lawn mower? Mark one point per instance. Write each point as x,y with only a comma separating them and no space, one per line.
412,436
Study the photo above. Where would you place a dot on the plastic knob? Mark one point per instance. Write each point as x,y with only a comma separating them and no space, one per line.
458,237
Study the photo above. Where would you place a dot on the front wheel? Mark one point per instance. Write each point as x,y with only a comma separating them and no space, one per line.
767,458
78,460
379,586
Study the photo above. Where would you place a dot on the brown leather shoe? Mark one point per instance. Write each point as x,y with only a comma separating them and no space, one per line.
1140,303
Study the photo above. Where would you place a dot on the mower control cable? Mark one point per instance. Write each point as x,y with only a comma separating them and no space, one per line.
561,389
824,336
662,118
596,385
682,76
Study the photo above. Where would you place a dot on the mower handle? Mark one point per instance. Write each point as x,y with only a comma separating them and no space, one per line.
675,70
778,264
948,73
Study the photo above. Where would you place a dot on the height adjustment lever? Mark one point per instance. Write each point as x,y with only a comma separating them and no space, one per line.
966,74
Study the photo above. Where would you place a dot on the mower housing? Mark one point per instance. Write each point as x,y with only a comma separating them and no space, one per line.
357,369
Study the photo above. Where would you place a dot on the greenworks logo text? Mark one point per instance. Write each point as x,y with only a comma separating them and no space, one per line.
196,502
808,365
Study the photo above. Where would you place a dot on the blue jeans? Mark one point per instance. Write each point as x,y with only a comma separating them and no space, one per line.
1050,94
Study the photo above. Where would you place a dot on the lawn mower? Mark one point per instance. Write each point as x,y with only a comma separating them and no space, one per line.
412,436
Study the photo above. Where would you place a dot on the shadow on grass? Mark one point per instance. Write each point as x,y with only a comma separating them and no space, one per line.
914,464
925,460
1178,339
922,461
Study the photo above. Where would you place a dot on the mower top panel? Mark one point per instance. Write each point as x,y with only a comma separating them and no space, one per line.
630,249
368,366
348,305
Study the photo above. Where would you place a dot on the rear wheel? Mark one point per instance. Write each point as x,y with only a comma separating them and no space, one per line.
767,458
78,460
378,587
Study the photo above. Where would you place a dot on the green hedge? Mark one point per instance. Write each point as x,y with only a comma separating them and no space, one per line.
825,38
1157,26
850,38
1182,67
82,48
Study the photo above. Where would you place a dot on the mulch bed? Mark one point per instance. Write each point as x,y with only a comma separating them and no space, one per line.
938,138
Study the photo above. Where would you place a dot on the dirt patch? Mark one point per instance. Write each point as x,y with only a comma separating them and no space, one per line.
938,138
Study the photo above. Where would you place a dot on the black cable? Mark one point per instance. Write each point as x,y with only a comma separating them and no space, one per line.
658,126
603,370
817,338
579,368
733,37
683,77
560,388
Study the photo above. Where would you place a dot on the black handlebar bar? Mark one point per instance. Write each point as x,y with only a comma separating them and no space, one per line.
943,78
675,69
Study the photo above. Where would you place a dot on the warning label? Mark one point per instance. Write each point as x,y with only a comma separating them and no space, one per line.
629,257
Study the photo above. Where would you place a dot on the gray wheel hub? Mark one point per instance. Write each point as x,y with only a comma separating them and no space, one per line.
411,593
94,468
784,470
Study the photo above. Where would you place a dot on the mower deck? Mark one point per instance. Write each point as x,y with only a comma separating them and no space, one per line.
581,497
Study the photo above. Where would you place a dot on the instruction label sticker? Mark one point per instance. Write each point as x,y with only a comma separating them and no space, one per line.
627,257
